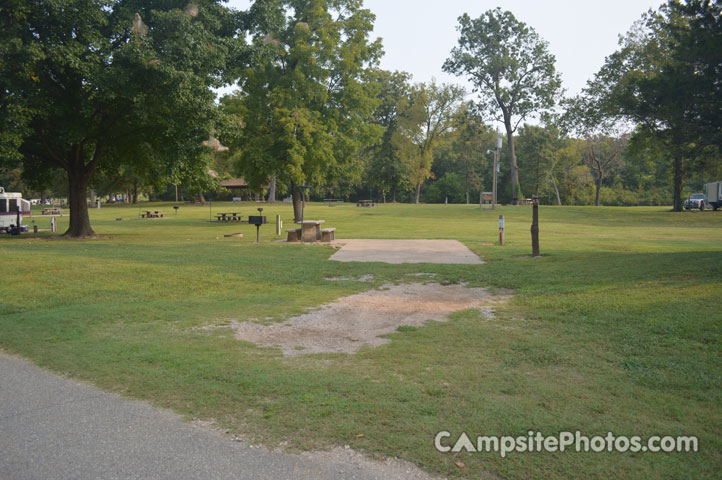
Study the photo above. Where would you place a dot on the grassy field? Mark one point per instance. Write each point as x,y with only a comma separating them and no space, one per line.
618,327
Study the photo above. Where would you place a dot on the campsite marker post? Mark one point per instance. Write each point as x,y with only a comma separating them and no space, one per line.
501,229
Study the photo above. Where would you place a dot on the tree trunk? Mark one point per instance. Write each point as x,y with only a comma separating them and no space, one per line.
92,197
297,203
600,179
678,181
393,194
201,198
78,180
514,168
418,193
135,191
272,190
43,197
556,190
468,174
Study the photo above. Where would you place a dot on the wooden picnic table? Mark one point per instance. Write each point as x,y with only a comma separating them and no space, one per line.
365,203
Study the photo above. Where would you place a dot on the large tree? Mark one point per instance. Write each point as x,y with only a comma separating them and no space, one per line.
307,106
426,116
603,156
385,168
511,68
471,137
540,153
666,78
95,83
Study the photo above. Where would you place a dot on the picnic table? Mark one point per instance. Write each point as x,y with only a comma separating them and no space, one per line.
311,231
151,214
228,217
365,203
52,211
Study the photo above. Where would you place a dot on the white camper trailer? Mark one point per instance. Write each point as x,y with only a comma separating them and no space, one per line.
9,204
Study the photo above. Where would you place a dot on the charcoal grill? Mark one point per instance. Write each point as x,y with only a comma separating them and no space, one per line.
257,220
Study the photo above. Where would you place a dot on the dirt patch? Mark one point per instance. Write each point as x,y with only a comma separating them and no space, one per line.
405,251
358,320
362,278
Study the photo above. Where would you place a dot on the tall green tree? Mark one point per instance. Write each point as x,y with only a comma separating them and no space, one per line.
427,115
471,137
539,148
307,103
385,168
603,156
511,68
92,83
665,79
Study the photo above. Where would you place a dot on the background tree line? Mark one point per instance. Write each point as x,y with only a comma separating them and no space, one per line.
104,96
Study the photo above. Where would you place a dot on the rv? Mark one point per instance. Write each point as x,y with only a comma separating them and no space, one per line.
12,209
713,194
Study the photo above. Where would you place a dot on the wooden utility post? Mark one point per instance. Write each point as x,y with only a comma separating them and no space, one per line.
501,229
535,228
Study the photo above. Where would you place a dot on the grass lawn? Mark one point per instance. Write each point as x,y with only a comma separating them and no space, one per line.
618,327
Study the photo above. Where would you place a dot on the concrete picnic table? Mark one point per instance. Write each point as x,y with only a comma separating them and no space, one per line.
311,230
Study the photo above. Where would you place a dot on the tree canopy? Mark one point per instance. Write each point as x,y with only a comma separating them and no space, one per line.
511,68
666,79
306,104
99,84
426,115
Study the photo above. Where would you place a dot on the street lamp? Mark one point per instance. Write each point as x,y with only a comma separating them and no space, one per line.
496,169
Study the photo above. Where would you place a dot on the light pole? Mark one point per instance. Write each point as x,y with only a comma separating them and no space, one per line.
496,169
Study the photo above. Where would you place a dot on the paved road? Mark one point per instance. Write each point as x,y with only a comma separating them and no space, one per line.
54,428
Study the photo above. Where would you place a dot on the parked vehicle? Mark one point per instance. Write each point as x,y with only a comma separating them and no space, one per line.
10,217
713,194
696,200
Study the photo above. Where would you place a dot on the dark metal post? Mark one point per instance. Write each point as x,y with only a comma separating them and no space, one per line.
17,221
258,226
535,228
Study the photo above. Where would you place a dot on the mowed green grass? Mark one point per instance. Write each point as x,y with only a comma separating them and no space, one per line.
617,327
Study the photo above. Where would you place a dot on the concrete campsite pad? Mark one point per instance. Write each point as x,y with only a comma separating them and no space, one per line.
358,320
405,251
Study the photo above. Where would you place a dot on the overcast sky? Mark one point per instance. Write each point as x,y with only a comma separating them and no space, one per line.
419,34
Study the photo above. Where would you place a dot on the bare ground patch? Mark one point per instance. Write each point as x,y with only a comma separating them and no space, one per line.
358,320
